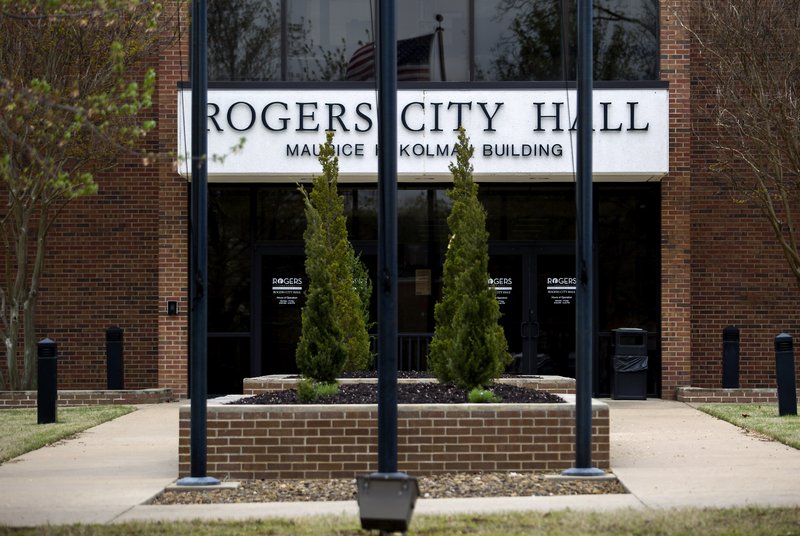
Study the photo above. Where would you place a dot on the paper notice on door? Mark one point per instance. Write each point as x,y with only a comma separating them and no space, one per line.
561,290
503,286
287,290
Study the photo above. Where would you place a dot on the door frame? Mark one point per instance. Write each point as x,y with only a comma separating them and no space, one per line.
530,252
259,252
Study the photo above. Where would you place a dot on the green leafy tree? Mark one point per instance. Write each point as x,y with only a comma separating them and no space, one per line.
335,277
73,95
469,346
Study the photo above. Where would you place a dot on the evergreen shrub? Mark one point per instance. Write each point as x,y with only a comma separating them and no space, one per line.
469,347
334,319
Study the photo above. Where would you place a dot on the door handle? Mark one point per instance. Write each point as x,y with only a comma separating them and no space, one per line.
529,330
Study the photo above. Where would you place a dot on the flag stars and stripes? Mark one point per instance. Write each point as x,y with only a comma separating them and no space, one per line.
413,60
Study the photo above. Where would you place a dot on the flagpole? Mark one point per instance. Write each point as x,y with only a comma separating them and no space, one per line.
440,37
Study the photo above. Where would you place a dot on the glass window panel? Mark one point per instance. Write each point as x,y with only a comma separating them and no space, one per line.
626,39
229,260
529,213
361,208
419,18
628,238
324,34
280,214
244,40
517,40
513,39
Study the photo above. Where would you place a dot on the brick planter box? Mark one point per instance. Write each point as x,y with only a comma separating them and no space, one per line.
702,395
67,398
330,441
278,382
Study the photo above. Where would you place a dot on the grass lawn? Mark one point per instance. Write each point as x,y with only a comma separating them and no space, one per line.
19,432
760,418
749,522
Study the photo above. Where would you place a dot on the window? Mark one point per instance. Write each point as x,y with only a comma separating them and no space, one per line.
521,40
480,40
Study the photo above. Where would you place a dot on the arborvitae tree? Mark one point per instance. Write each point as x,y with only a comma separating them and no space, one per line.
321,352
469,346
331,262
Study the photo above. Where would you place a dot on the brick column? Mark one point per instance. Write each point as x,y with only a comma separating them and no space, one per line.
676,340
173,200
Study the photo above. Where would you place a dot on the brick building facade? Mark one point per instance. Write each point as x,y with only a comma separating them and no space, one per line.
118,258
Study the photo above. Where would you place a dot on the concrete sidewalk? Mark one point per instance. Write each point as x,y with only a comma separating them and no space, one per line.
666,453
95,477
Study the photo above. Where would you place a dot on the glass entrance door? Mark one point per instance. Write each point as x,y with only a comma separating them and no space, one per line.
555,312
509,269
535,288
282,285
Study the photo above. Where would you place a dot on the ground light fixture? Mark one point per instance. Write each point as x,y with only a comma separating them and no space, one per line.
386,501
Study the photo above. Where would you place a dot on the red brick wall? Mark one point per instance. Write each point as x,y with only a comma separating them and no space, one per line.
739,274
676,300
173,223
115,258
101,271
700,395
119,256
247,442
27,399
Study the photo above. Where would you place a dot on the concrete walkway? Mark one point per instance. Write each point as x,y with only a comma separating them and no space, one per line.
666,453
669,454
96,477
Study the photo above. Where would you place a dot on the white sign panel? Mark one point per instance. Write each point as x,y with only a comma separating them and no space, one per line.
518,134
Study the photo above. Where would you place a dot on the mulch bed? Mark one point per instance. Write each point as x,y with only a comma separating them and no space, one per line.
414,393
440,486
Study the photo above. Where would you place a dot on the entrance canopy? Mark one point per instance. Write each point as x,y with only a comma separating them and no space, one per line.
519,134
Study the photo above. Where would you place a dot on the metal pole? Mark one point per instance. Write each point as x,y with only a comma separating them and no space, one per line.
387,238
198,317
584,329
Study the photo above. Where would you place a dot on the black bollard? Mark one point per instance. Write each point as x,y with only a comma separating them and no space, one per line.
730,358
115,370
784,374
47,353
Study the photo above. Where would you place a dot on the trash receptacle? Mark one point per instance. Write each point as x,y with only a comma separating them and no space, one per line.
630,364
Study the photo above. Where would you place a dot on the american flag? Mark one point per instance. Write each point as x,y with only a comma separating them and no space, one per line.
413,60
